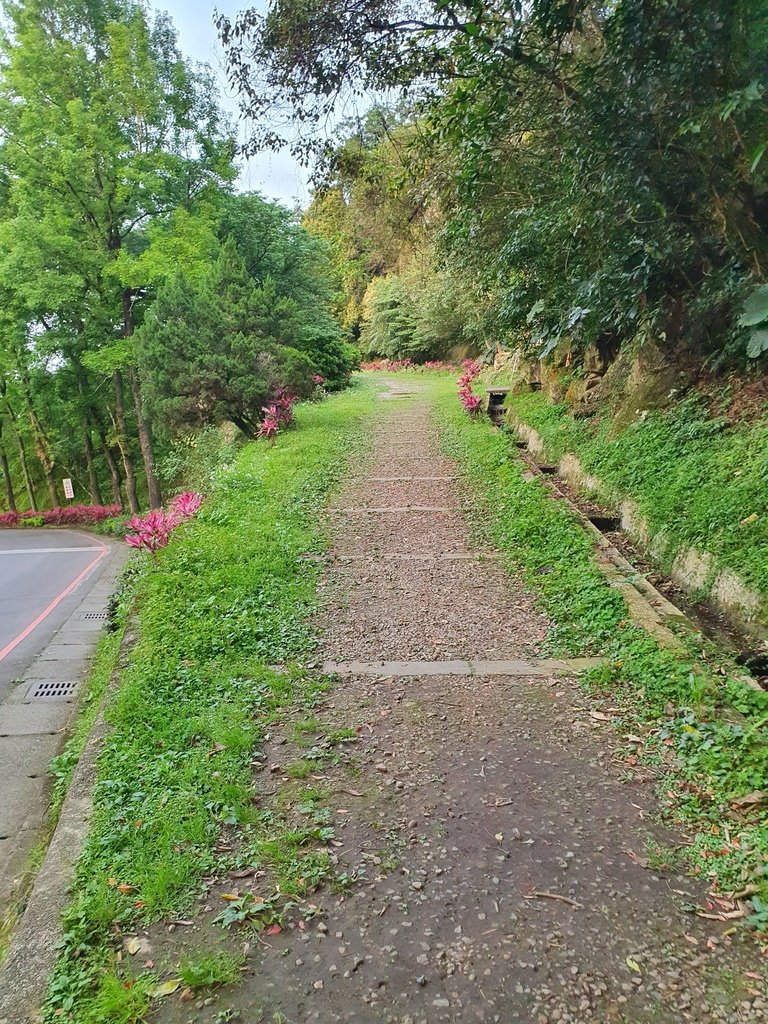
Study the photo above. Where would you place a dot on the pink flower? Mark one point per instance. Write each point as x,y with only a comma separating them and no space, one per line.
318,380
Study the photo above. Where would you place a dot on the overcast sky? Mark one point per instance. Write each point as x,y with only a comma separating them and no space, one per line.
277,176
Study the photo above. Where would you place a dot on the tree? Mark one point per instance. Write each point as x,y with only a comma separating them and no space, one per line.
216,349
107,134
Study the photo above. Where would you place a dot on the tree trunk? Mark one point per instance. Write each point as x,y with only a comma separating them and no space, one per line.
42,445
10,496
93,478
93,415
25,471
142,424
145,440
114,472
122,441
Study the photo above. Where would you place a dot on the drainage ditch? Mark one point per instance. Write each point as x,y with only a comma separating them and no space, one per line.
647,577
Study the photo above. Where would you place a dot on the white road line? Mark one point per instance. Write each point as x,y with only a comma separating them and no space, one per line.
44,551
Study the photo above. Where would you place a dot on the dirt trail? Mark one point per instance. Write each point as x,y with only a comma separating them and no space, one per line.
493,824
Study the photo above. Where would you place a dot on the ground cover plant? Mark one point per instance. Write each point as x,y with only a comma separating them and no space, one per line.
216,610
704,731
695,477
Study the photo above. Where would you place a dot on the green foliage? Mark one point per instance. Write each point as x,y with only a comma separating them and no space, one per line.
597,169
227,599
698,481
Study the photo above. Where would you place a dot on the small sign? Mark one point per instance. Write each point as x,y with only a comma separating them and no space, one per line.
69,491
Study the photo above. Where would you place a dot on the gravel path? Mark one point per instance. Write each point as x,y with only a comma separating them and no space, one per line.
500,838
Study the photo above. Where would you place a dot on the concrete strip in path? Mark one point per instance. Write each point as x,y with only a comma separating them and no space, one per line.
476,667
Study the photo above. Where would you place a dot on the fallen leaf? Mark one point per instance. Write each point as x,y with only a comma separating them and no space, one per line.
231,896
749,519
126,888
274,929
499,837
167,988
759,796
216,749
133,946
599,716
633,965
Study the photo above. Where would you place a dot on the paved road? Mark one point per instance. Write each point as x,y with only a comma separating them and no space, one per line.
43,575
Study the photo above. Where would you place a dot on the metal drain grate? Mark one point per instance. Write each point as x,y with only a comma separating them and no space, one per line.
51,689
96,615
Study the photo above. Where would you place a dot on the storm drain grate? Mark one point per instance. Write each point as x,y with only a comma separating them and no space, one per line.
96,615
52,689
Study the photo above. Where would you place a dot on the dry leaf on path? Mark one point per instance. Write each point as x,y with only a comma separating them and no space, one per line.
166,988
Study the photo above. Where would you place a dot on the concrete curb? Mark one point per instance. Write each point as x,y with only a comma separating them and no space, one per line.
33,948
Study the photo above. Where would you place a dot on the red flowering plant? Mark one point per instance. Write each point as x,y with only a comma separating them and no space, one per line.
270,425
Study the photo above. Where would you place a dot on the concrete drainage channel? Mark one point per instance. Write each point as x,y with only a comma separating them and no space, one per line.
648,606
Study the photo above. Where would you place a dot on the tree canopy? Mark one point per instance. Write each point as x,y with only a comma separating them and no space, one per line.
595,171
116,193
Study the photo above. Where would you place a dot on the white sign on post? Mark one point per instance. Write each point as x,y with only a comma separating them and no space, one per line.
69,491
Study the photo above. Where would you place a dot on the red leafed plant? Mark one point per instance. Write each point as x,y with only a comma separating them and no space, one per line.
470,401
270,425
278,414
185,505
65,515
153,531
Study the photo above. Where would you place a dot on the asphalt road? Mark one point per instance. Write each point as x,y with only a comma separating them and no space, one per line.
43,576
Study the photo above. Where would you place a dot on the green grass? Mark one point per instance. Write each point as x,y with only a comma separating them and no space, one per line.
694,478
710,735
228,598
208,969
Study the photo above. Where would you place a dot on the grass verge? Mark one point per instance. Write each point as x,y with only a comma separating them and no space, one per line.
705,729
214,614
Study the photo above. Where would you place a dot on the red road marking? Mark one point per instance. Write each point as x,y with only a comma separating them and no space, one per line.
56,601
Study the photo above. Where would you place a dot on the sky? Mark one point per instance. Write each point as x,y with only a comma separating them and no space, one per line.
275,175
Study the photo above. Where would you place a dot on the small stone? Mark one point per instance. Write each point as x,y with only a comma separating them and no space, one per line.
317,985
421,981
